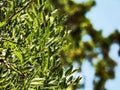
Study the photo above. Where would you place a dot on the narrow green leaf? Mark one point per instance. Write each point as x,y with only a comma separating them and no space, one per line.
34,10
13,5
2,24
54,12
36,83
2,80
38,1
15,16
43,16
30,16
70,79
53,82
77,80
15,69
41,7
19,55
68,72
28,22
4,85
38,79
75,70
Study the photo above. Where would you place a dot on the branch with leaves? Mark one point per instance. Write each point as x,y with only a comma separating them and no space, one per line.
8,20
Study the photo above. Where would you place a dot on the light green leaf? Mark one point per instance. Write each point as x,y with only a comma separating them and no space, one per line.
2,80
19,55
5,84
30,16
54,12
2,24
36,83
38,79
34,10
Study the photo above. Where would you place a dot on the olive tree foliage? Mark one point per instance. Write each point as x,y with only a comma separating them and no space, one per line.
32,35
80,50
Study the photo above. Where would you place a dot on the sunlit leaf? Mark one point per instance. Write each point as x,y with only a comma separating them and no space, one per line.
38,79
19,55
5,84
36,83
2,24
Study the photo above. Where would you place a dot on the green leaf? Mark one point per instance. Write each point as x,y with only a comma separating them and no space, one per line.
2,24
77,80
2,80
54,12
4,76
30,16
13,5
34,10
68,72
36,83
75,70
70,79
38,1
19,55
28,22
15,16
38,79
15,69
52,82
5,84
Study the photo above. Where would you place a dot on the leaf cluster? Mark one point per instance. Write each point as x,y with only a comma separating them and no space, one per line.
31,37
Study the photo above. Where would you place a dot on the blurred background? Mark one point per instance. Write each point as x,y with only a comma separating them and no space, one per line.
104,16
95,41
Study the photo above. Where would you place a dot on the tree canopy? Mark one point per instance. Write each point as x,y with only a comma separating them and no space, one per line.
40,39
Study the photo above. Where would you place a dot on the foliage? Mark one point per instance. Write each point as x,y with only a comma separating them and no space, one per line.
36,48
90,50
32,35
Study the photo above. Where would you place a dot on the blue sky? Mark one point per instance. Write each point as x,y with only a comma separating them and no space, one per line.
104,16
